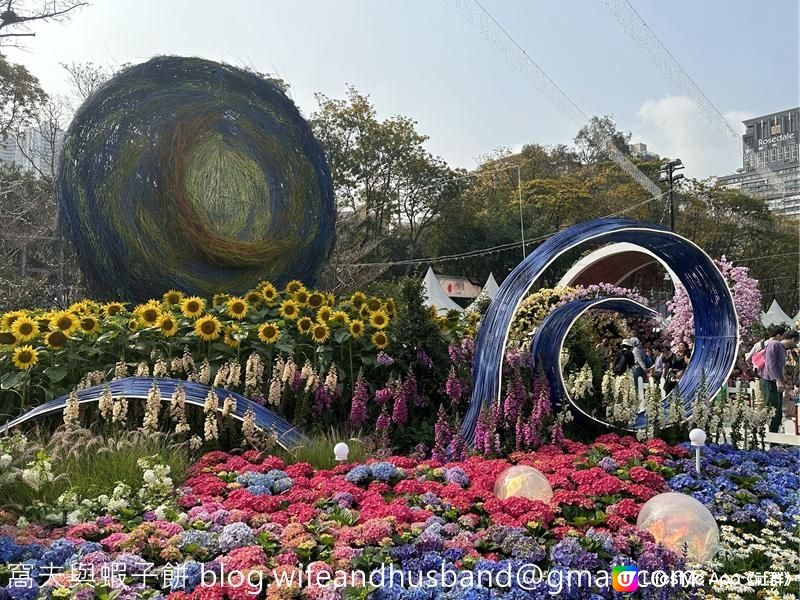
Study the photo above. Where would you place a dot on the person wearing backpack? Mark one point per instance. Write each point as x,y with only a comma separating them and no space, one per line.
756,355
624,359
772,374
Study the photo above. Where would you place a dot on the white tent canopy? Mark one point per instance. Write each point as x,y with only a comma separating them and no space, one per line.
775,316
435,296
489,290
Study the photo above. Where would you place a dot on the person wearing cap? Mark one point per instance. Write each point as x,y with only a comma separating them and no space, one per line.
624,359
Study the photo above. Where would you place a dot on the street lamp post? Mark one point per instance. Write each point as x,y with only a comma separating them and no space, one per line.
668,174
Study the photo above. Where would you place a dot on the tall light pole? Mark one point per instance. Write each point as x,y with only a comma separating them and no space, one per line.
668,174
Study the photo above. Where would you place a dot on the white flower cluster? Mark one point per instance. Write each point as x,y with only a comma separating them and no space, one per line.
253,374
157,483
773,545
620,399
142,369
106,403
72,414
38,472
177,410
580,384
152,408
91,378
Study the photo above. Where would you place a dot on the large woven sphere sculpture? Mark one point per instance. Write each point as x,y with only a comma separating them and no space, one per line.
189,174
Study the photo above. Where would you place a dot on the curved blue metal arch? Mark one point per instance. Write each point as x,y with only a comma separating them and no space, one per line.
551,334
716,324
138,388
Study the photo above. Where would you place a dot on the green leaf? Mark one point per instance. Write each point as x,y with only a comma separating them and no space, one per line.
13,379
55,374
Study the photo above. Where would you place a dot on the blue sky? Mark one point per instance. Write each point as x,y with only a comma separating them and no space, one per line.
425,60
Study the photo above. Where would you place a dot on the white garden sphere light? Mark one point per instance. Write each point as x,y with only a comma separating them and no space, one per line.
341,451
524,482
697,437
677,520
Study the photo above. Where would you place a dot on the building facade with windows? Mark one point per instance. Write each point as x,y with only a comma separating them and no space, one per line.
771,142
35,150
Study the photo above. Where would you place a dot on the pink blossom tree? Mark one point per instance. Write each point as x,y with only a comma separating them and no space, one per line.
746,299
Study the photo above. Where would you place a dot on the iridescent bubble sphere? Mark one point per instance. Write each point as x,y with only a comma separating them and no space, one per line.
524,482
679,521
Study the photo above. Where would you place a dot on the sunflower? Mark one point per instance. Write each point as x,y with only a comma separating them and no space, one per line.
236,308
374,304
55,339
173,297
379,319
9,318
133,325
7,338
357,299
320,333
289,310
89,325
356,328
269,333
24,357
330,299
207,328
324,314
254,298
315,300
192,307
379,340
113,308
148,313
168,325
340,317
294,285
219,299
391,308
304,325
229,338
301,296
268,291
24,328
65,321
364,312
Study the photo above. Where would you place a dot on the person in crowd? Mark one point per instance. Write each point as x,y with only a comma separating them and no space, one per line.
639,360
677,365
661,364
772,376
775,332
624,359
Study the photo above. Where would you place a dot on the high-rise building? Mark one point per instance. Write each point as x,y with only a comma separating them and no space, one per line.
640,150
35,150
771,142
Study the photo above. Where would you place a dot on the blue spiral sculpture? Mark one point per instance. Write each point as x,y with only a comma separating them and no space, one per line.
716,324
552,333
287,435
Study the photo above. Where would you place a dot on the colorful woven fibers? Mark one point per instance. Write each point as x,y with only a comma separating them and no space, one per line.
189,174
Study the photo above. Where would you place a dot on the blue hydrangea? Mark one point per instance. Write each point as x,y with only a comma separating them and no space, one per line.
26,589
235,535
9,549
358,474
282,485
383,471
57,553
458,476
201,539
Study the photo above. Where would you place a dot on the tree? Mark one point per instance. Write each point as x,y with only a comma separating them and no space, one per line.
20,97
593,139
389,188
17,16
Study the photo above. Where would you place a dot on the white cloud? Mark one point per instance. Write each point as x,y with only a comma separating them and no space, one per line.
673,126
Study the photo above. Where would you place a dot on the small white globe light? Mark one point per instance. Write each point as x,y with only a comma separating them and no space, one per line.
524,482
697,437
341,451
678,520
